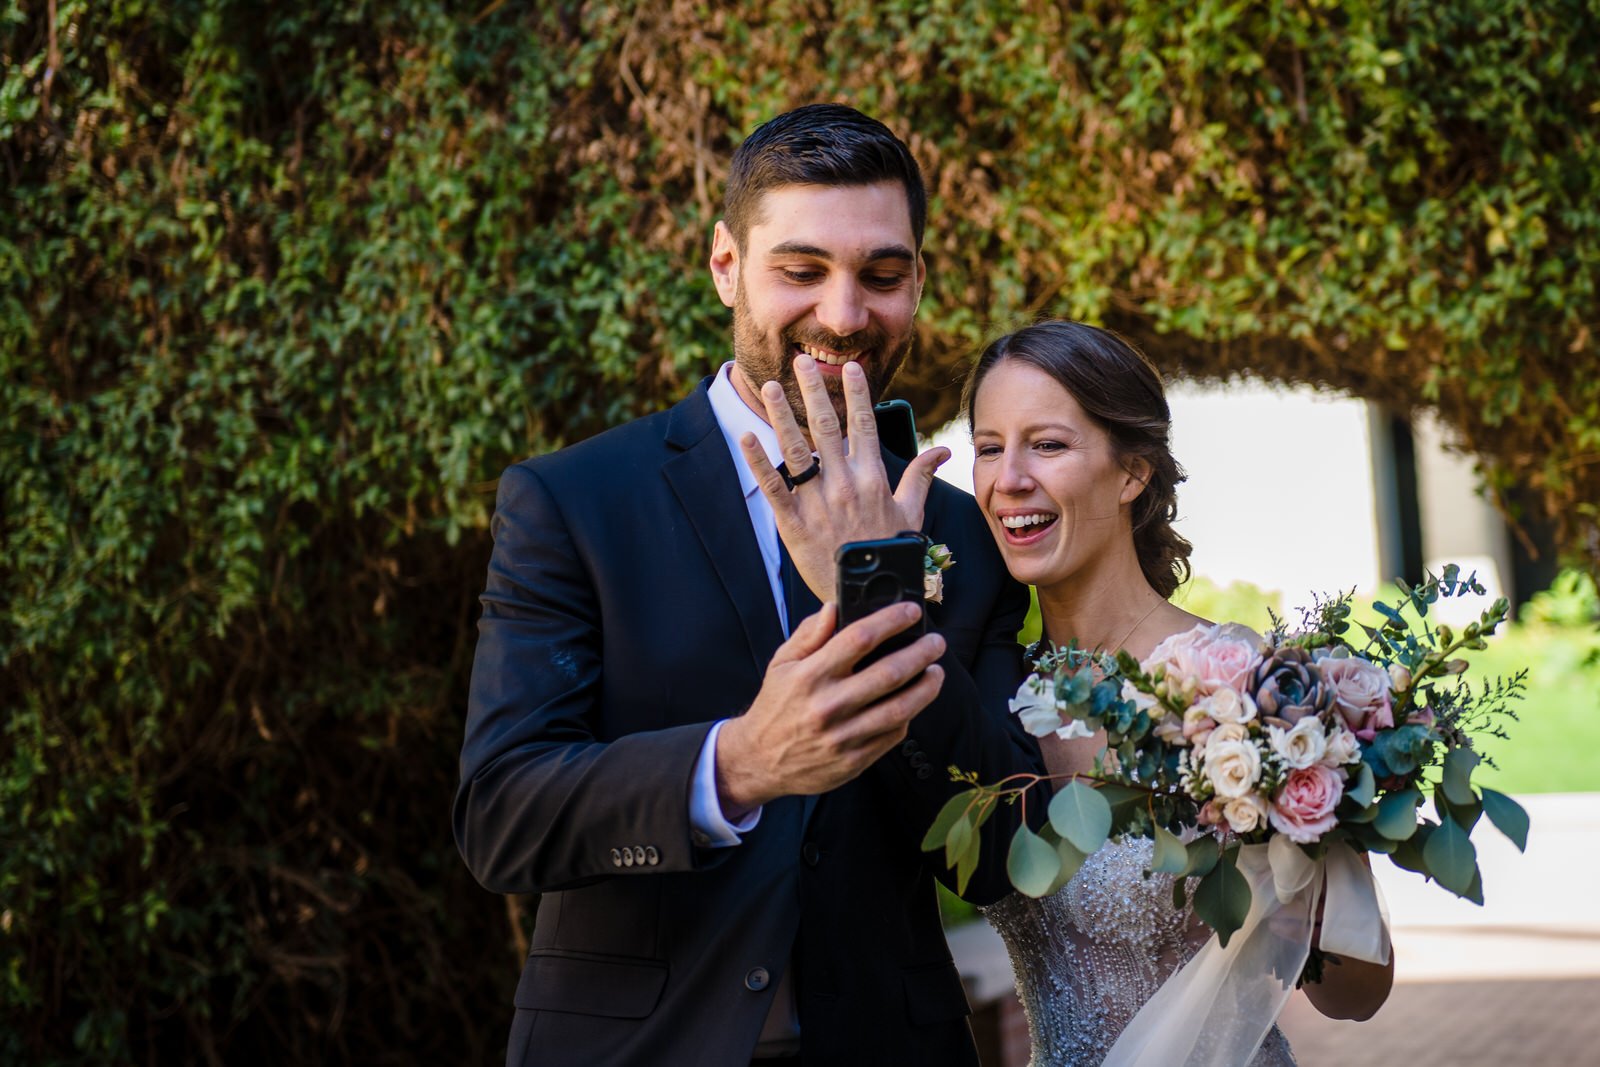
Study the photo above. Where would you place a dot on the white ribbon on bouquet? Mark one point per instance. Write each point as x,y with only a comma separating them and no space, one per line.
1216,1010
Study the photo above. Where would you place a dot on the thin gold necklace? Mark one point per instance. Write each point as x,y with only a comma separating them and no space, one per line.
1136,625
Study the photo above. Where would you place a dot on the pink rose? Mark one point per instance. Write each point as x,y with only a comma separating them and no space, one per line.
1210,814
1209,658
1360,693
1303,808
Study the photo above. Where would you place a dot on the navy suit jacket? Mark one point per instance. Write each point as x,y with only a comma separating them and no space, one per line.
627,609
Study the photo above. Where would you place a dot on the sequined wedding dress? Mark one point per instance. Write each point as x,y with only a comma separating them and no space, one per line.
1088,957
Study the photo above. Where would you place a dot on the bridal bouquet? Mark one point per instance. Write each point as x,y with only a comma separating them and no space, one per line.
1299,742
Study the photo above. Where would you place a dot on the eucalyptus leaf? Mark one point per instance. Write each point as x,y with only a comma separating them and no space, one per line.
1456,777
1408,853
968,863
1365,787
956,841
1170,855
1072,860
939,832
1222,899
1203,853
1081,815
1474,891
1508,817
1451,859
1031,863
1463,815
1397,815
1360,815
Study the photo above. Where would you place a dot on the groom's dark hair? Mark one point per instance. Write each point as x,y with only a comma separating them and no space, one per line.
819,144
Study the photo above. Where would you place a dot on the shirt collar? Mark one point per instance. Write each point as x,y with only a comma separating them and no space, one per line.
735,419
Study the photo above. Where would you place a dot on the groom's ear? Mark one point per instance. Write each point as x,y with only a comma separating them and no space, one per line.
1136,473
724,262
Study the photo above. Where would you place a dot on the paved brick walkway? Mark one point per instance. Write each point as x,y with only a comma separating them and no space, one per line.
1514,1023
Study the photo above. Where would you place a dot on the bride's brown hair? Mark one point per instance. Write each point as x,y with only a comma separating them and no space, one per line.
1122,391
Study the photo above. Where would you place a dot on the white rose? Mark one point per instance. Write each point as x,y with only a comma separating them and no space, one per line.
1302,746
1245,814
1035,705
933,587
1232,767
1228,731
1225,705
1343,748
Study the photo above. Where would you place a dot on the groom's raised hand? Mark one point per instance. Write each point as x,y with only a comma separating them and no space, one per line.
817,722
849,498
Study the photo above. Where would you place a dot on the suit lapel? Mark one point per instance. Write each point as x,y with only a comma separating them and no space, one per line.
703,478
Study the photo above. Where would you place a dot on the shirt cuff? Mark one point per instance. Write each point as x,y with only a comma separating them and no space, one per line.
708,827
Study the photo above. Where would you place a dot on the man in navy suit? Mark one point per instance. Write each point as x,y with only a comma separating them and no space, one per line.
667,737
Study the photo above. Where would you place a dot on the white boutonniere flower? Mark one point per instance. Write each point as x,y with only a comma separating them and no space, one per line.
935,561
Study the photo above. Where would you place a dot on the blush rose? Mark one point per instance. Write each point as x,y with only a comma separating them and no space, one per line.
1303,808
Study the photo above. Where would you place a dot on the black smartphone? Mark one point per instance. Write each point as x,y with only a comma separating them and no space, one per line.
874,574
897,428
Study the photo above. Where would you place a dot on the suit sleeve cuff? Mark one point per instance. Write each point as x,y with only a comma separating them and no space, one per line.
708,827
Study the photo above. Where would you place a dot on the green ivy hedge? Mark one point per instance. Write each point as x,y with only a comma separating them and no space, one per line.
283,287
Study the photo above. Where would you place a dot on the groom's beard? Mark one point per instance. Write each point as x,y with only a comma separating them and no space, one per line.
767,358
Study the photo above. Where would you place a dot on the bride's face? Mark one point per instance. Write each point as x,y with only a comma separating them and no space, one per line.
1056,495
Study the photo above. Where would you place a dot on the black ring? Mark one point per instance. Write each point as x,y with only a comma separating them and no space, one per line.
803,477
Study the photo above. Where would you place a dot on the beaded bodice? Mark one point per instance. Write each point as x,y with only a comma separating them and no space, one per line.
1089,956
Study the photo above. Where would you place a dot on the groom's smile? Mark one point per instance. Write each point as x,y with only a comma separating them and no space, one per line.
829,272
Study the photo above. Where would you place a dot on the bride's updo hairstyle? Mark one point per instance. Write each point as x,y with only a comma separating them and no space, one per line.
1121,390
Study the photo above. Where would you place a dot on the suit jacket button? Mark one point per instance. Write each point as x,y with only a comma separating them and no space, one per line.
810,853
919,760
616,858
908,747
924,771
638,855
757,979
651,856
627,857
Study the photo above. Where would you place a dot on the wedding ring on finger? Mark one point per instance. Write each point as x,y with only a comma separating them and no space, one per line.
803,477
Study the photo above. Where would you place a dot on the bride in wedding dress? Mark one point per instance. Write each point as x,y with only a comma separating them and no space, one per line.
1073,471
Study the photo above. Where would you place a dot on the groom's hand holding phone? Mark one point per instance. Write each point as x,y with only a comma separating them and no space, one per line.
823,715
818,722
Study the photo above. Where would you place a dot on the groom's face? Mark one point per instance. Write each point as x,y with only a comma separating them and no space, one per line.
832,272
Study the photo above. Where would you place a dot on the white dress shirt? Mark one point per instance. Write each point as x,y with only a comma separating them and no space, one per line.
707,824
